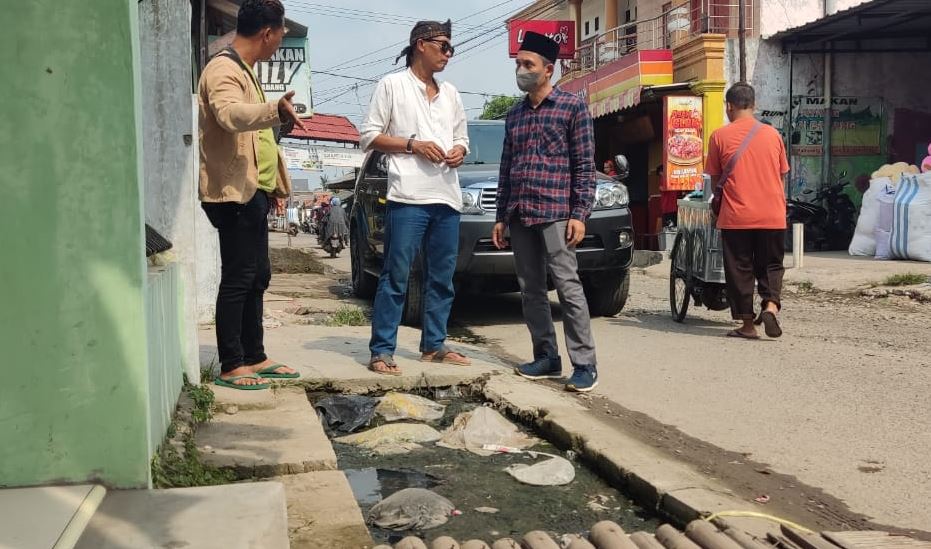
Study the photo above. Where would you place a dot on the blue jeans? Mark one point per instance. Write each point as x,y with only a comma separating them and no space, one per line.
411,228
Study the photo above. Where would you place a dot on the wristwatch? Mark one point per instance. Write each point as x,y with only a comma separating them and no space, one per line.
410,144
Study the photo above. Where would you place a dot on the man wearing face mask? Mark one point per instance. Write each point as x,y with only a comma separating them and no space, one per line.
420,125
545,193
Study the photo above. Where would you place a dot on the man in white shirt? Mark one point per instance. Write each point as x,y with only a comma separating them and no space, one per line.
420,125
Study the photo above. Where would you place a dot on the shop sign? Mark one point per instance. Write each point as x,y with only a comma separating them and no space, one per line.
856,126
683,146
288,69
563,32
317,158
340,157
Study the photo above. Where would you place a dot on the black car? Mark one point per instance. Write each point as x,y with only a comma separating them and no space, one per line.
604,256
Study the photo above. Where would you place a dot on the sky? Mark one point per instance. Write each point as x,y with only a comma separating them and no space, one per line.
344,34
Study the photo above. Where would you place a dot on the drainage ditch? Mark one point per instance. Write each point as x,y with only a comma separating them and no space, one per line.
506,507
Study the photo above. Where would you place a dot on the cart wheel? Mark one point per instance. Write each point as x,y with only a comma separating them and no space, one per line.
680,276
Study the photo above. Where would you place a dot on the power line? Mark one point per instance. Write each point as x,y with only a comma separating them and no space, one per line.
396,44
340,90
540,10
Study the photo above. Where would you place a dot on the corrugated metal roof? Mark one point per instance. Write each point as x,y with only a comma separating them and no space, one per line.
886,25
327,127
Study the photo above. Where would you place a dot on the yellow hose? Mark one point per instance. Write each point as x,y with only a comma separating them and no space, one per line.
754,514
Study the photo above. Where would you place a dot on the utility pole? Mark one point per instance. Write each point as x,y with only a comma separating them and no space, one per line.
742,37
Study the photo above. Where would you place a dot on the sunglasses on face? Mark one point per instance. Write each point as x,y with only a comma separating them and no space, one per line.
445,47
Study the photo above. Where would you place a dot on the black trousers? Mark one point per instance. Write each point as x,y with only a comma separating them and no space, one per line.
245,274
753,255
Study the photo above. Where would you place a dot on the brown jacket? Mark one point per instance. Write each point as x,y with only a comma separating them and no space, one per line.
231,112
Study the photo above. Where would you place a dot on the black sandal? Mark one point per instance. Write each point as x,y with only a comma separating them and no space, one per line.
771,324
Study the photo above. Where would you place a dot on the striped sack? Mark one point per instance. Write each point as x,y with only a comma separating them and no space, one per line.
911,222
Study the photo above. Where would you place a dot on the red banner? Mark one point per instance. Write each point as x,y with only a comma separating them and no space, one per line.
684,149
563,32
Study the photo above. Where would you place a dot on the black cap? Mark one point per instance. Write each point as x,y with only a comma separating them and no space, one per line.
538,43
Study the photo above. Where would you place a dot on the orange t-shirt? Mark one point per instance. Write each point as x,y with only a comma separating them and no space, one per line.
754,195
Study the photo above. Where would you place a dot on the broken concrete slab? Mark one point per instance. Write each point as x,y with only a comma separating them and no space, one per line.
336,358
260,443
46,516
322,512
232,516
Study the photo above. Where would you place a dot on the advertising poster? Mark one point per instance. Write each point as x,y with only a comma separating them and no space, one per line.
683,150
856,126
288,69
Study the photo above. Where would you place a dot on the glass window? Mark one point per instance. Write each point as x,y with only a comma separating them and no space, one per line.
485,143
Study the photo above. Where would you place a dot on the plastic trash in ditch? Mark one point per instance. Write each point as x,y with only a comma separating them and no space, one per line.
411,509
396,438
344,414
482,427
555,471
398,406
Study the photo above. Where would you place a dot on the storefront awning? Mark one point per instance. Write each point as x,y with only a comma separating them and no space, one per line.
617,86
327,127
873,26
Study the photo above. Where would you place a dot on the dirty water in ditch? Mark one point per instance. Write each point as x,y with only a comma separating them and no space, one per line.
470,481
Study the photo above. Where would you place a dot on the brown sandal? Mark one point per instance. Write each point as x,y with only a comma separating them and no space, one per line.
443,356
388,366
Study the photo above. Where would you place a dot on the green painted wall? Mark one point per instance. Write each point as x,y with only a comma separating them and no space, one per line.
73,402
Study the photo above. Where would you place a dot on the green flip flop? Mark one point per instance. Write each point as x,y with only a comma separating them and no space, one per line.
269,373
230,383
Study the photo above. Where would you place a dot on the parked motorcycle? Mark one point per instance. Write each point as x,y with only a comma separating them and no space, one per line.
830,218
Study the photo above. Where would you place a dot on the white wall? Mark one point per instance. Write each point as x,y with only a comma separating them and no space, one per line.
779,15
169,141
590,10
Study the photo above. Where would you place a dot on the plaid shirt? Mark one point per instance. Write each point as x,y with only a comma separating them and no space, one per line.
548,162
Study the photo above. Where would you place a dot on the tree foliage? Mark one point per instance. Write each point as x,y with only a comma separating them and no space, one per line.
497,108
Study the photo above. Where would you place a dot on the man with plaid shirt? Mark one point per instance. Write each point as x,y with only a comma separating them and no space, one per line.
545,192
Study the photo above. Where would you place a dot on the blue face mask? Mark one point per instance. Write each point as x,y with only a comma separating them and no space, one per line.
528,80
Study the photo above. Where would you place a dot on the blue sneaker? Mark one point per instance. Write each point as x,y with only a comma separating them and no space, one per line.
583,380
541,368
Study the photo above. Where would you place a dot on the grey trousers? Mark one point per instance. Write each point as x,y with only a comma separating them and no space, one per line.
537,250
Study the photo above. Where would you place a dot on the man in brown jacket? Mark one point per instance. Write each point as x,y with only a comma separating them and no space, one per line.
242,173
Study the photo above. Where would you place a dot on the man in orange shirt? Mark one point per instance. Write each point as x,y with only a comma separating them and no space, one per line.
747,162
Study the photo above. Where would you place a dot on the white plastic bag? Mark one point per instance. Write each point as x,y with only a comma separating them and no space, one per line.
864,237
480,427
397,406
911,223
411,509
555,471
885,199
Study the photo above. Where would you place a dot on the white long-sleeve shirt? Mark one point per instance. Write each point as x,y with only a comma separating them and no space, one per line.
400,108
